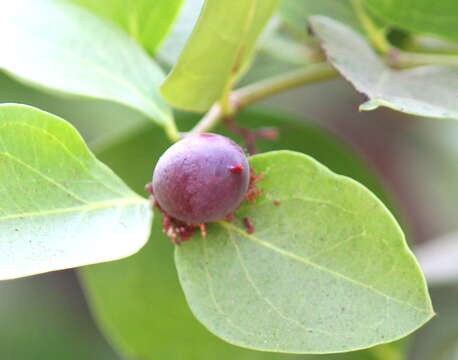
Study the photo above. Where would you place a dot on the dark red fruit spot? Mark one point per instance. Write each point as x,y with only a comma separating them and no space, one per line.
178,231
229,217
253,191
249,227
238,168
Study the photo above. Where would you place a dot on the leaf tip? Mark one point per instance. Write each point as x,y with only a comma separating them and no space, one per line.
369,105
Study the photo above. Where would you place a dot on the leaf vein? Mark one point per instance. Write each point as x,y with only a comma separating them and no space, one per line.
212,292
263,297
87,207
66,149
45,177
293,256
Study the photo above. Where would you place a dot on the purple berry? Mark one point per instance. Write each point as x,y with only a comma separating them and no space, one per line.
201,178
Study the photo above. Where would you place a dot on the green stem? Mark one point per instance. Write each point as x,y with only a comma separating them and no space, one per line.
264,88
376,35
260,90
209,121
171,131
429,44
292,52
225,101
402,59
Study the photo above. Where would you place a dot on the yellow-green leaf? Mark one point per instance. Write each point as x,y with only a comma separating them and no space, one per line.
59,206
146,21
219,47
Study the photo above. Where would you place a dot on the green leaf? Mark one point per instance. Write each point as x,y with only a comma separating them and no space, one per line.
326,260
60,207
146,21
425,91
59,46
425,16
173,44
137,301
219,47
295,12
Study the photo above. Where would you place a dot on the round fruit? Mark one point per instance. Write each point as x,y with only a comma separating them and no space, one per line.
201,178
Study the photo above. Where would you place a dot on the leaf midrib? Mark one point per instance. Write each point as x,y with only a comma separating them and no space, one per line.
255,287
64,148
229,226
87,207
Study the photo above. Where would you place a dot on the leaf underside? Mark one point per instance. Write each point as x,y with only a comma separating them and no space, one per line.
60,207
71,50
428,91
320,274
